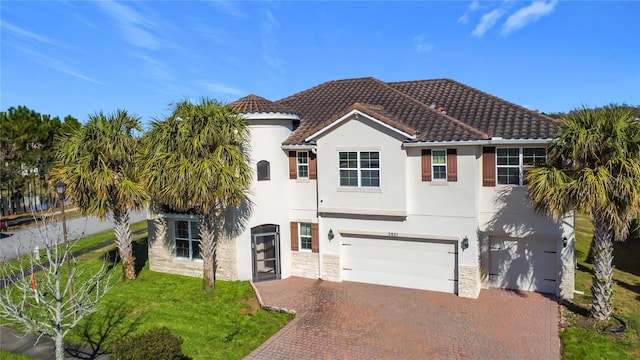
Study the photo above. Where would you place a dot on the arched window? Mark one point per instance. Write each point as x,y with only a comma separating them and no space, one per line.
264,173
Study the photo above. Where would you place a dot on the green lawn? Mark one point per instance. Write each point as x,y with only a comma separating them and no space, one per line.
581,336
5,355
226,323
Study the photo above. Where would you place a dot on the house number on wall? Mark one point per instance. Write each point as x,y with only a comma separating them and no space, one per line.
393,234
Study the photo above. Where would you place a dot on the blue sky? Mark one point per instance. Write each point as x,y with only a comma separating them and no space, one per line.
79,57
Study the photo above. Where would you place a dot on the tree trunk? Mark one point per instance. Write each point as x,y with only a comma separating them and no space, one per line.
602,287
123,240
208,248
59,346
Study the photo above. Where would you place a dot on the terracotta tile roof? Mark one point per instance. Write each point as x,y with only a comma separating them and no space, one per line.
252,104
323,102
411,106
487,113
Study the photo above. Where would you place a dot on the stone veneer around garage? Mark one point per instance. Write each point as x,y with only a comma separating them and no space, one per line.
469,281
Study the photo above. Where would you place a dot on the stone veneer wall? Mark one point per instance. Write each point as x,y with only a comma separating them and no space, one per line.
469,281
304,264
227,260
162,255
331,267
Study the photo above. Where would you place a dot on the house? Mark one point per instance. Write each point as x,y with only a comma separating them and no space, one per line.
413,184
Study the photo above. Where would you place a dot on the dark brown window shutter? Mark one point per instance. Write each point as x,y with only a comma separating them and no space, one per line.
314,238
313,169
426,164
293,165
294,236
452,165
489,166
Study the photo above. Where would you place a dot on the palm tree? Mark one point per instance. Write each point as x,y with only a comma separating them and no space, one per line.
96,161
196,161
594,167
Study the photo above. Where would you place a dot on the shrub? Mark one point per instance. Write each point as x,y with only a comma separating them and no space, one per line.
155,344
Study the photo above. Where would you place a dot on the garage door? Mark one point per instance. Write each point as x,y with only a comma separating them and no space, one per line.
410,264
523,264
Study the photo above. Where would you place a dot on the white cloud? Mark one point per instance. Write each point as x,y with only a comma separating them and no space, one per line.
137,28
57,65
25,34
464,19
221,88
528,15
420,43
487,22
230,8
270,56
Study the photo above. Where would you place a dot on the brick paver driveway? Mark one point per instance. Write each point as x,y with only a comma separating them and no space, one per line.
360,321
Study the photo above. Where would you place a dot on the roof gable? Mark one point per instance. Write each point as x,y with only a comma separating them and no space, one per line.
374,113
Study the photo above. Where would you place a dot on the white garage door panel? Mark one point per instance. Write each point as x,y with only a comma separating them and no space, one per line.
523,264
394,251
411,264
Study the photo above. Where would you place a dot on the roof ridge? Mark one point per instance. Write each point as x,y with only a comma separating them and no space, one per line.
452,120
324,84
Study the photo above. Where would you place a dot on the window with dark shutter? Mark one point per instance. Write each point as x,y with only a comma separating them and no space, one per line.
294,234
488,166
452,165
313,168
314,238
426,164
293,168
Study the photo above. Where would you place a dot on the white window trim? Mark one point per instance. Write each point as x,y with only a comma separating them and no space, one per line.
190,240
300,248
299,164
359,169
433,165
520,165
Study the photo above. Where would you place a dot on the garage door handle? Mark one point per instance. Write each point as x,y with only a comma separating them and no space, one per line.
346,244
551,252
554,280
346,269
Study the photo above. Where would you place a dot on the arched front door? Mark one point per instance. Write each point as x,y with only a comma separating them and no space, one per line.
265,247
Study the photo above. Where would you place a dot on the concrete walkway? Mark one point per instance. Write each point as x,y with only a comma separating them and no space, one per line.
360,321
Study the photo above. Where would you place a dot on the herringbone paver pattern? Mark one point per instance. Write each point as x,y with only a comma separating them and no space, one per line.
360,321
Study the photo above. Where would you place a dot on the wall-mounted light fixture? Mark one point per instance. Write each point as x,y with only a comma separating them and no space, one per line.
330,234
565,241
465,243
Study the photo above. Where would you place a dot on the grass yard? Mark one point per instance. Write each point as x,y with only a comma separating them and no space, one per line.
226,323
5,355
76,245
581,337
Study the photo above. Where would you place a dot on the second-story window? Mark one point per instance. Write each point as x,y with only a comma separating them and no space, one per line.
359,168
303,164
511,163
264,172
439,164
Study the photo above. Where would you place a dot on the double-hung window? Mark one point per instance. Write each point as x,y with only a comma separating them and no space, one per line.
359,168
304,236
187,236
439,164
303,164
512,163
